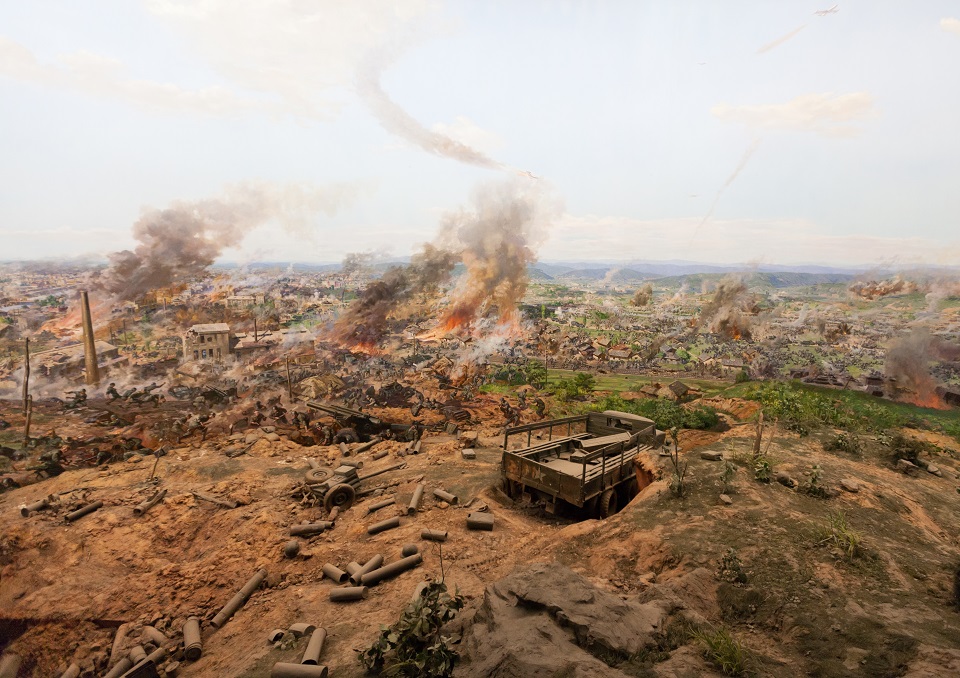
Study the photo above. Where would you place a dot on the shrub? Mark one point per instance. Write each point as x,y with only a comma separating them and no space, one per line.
413,646
838,533
812,484
731,569
845,442
762,469
667,414
725,652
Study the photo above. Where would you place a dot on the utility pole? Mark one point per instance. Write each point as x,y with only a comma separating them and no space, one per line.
289,383
26,373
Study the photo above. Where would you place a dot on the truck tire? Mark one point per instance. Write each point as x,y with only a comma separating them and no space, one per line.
317,475
341,496
607,505
626,491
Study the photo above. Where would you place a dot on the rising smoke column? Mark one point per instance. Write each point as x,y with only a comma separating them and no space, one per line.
496,240
908,361
181,241
643,296
727,313
365,321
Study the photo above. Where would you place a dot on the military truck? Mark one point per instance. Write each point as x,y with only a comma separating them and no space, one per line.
585,462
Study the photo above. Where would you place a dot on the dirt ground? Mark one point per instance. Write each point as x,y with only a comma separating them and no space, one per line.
67,587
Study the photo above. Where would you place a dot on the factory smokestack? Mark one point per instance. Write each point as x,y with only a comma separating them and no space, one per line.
89,343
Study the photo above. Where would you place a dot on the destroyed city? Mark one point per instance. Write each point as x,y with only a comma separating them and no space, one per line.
448,338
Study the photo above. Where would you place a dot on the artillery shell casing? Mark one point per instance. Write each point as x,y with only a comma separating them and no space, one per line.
311,655
38,505
368,566
333,572
348,593
192,642
445,496
81,512
415,500
285,670
310,528
383,525
239,599
434,535
392,570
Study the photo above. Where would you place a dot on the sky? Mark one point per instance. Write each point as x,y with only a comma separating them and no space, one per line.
734,132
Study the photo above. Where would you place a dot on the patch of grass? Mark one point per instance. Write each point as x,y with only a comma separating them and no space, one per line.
725,652
837,533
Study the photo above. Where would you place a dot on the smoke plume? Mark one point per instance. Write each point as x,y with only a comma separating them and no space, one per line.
908,361
726,184
365,321
728,312
875,289
643,296
181,241
397,121
495,239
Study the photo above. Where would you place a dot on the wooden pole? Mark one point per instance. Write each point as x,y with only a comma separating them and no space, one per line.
289,383
26,425
26,373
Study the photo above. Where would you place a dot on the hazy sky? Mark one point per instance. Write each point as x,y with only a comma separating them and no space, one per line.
725,132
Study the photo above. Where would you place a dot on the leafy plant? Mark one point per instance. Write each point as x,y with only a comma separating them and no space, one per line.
763,469
731,569
729,470
812,484
414,646
724,651
838,533
667,414
845,442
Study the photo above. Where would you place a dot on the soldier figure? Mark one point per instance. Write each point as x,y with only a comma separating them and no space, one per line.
539,407
112,392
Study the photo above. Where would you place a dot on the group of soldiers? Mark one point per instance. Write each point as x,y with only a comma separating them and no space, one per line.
513,414
137,396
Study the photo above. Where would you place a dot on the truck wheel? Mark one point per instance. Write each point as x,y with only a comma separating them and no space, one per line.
607,505
627,491
341,496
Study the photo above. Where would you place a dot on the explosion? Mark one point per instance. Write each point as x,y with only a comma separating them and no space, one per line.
908,361
643,296
875,289
727,313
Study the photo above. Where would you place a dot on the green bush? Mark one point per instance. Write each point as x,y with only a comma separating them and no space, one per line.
667,414
568,389
413,646
836,532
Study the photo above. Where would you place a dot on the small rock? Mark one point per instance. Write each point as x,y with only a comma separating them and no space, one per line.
935,470
443,505
906,466
850,485
785,480
272,437
711,455
725,498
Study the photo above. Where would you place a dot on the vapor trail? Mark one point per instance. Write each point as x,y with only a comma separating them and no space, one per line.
779,41
397,121
743,163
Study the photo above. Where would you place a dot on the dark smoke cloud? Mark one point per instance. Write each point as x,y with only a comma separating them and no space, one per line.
495,239
181,241
908,361
643,296
397,121
728,312
365,321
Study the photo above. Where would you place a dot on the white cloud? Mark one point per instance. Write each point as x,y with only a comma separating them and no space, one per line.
783,241
825,114
99,76
951,25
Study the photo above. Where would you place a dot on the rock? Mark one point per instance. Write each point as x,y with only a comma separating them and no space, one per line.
935,470
469,454
468,438
711,455
785,479
725,499
272,437
905,466
850,485
535,622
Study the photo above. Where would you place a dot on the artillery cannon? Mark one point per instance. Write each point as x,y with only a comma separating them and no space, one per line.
366,425
341,487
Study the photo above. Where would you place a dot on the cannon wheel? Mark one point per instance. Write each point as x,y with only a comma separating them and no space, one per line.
317,475
607,505
341,495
